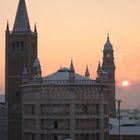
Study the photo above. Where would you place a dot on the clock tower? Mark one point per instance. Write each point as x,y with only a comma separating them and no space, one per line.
108,65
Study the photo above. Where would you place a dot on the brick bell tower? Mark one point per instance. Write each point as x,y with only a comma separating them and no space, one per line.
108,65
21,50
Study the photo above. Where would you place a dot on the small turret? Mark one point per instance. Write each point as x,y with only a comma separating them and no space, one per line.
7,27
99,69
72,72
24,74
87,74
108,45
35,29
72,66
37,69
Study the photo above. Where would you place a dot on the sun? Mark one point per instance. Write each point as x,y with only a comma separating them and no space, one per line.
125,83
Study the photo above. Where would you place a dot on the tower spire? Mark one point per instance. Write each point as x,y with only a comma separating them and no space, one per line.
21,21
24,74
87,74
72,72
108,40
108,45
35,28
37,68
99,70
7,28
71,65
99,67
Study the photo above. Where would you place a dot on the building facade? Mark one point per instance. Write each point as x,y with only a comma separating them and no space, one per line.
64,105
21,49
108,66
84,114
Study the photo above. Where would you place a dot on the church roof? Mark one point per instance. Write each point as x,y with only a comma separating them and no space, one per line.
63,74
21,21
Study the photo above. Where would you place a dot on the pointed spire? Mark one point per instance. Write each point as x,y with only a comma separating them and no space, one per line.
21,21
99,67
108,40
60,66
108,45
87,74
35,28
37,68
99,71
71,65
25,75
71,72
7,28
38,73
24,70
36,62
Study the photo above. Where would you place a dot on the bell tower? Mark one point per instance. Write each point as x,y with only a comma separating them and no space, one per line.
108,65
21,50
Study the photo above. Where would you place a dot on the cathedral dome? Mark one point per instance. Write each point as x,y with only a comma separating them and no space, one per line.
108,45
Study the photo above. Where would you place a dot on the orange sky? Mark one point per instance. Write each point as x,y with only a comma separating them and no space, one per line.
78,28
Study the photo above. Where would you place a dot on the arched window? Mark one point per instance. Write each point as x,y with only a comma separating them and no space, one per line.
17,46
22,46
13,46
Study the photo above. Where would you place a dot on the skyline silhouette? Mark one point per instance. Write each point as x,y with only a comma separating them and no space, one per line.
78,29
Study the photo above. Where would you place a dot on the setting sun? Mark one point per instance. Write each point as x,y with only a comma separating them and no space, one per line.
125,83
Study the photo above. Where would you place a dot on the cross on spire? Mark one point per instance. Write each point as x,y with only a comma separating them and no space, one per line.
108,37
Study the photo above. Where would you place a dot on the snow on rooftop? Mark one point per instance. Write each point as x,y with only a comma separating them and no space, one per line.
125,130
123,121
63,74
128,125
125,113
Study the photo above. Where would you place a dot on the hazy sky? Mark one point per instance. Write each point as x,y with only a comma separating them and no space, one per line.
78,28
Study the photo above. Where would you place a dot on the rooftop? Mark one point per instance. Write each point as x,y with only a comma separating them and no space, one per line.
128,125
63,74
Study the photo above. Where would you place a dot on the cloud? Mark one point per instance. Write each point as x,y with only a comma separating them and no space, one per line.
130,95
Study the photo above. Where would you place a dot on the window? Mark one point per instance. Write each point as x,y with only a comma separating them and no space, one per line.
30,109
33,109
105,109
29,136
97,108
22,46
17,46
97,136
85,109
97,123
55,137
13,47
55,124
17,95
